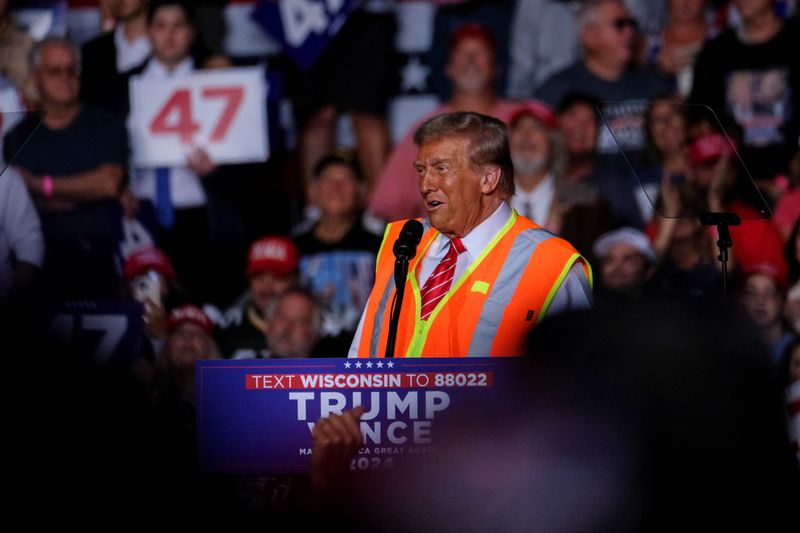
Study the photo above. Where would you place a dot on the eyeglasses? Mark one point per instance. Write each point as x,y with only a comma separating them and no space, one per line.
625,22
58,71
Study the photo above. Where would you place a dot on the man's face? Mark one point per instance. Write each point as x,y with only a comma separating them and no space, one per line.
578,126
750,9
336,191
611,36
57,75
126,9
624,268
453,192
471,66
265,286
187,344
170,35
762,300
530,145
293,328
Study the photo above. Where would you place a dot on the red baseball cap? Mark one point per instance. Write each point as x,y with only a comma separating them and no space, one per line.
148,258
473,30
189,314
273,254
536,109
774,270
709,148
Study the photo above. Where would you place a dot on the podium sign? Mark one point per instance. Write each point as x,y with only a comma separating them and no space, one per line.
257,416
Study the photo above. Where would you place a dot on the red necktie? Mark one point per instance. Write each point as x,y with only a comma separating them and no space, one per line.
439,281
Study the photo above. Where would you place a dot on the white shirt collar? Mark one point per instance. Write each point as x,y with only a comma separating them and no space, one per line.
130,54
156,69
476,240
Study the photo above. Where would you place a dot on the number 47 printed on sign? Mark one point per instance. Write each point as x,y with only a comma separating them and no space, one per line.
222,111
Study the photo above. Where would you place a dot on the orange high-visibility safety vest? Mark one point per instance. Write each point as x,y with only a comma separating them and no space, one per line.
489,310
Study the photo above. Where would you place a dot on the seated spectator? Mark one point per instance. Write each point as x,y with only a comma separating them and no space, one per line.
337,254
763,295
189,339
722,186
750,76
294,325
73,167
607,34
151,281
472,68
539,158
271,269
626,263
21,243
105,57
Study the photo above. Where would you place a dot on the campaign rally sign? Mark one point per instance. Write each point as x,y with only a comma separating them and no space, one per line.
304,27
107,332
256,416
223,111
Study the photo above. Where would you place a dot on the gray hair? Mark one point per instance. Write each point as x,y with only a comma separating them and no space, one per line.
488,141
35,55
269,312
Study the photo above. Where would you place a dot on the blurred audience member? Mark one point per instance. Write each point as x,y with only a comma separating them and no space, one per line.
790,374
21,243
354,76
750,75
606,71
543,41
722,186
114,52
272,269
471,68
667,138
763,295
150,280
674,49
627,261
539,158
177,194
787,209
792,310
337,253
15,46
189,340
294,325
73,166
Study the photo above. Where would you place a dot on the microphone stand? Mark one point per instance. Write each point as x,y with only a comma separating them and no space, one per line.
400,273
725,241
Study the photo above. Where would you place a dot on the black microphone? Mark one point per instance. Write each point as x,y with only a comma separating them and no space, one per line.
405,247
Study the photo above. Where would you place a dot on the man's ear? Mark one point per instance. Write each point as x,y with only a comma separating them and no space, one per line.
490,180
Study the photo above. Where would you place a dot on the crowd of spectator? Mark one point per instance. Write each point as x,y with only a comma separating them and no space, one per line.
626,121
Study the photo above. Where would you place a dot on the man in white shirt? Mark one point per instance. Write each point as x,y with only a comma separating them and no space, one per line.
177,194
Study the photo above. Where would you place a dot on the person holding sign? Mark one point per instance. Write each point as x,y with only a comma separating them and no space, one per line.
483,276
176,193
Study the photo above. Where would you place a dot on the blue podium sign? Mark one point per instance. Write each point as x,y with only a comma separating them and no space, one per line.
256,416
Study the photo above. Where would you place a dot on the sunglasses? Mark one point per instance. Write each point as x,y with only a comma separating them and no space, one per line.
625,22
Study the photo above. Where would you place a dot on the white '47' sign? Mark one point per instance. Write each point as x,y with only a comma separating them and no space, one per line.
222,111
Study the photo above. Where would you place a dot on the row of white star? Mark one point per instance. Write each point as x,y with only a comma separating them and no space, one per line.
368,364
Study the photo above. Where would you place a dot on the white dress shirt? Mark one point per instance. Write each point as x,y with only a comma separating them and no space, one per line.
130,54
574,293
186,191
538,201
20,231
